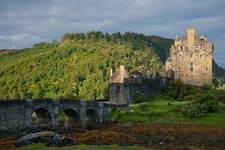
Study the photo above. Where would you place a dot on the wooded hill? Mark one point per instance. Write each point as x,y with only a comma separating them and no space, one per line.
78,66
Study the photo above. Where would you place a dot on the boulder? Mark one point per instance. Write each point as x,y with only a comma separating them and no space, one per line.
47,137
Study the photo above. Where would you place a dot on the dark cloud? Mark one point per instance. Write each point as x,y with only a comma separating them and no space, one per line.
25,22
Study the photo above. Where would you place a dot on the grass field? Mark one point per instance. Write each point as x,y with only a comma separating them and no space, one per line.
164,111
80,147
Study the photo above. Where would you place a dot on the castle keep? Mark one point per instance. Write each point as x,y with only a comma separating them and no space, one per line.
190,59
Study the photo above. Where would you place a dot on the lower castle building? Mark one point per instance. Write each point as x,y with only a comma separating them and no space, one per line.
190,60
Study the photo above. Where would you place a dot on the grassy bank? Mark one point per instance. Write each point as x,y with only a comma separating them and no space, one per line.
166,111
80,147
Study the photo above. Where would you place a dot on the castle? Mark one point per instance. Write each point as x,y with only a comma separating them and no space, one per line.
190,60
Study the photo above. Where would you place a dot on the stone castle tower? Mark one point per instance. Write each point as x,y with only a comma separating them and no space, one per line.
190,59
118,88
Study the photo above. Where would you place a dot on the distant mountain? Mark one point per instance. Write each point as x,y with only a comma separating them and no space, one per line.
218,72
78,66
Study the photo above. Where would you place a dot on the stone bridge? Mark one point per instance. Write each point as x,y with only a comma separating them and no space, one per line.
47,113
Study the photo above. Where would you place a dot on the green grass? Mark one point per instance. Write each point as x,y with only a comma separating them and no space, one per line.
80,147
164,111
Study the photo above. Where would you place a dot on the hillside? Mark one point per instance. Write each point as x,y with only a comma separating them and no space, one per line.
78,66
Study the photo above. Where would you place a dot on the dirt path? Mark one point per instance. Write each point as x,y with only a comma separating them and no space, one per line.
148,135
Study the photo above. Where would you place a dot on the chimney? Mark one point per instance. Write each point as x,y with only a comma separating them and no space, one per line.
190,36
111,72
123,73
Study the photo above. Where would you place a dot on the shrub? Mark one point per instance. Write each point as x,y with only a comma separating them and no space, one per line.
143,107
195,110
202,106
139,97
177,90
210,102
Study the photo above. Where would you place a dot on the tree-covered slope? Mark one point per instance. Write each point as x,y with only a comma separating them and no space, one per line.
73,68
78,66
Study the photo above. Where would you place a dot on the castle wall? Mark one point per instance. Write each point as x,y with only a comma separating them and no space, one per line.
148,87
191,59
123,93
119,93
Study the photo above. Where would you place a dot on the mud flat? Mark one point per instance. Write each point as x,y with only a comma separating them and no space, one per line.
155,136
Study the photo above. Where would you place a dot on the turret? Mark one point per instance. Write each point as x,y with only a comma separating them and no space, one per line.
190,36
119,75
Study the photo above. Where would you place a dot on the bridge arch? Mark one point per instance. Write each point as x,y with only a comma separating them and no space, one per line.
92,118
69,118
41,118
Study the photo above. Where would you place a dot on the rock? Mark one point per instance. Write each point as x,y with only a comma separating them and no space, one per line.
161,143
60,140
47,137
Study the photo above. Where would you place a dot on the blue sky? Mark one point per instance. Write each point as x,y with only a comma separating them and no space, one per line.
25,22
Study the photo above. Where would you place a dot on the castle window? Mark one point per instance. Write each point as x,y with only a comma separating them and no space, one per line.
191,67
206,68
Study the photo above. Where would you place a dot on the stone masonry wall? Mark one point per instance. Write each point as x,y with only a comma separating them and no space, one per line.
17,114
190,59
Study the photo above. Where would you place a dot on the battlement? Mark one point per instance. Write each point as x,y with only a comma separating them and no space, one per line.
191,42
190,59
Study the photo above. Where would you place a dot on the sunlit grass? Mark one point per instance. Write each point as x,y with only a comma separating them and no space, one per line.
164,111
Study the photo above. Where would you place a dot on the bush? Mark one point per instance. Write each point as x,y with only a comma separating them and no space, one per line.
139,97
210,102
195,110
179,91
202,106
175,89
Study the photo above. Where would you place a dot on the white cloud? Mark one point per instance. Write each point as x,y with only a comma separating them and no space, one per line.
26,22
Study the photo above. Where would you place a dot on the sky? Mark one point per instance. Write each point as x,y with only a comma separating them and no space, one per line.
26,22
